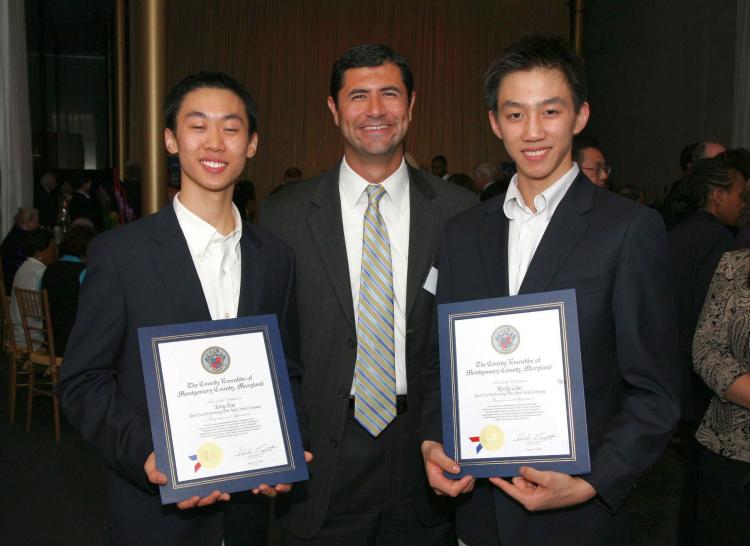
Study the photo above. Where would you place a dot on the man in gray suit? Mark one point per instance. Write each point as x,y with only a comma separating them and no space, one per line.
364,234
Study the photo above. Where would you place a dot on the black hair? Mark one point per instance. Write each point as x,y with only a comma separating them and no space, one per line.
738,159
538,51
704,176
76,240
686,155
213,80
369,55
581,143
36,240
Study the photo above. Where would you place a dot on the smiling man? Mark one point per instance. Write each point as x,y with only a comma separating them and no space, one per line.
553,229
194,260
364,235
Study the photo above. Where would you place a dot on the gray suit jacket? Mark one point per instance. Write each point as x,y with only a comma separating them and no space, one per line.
308,217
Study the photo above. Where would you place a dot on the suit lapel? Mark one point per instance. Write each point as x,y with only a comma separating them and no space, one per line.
493,246
172,260
562,234
423,223
327,230
253,272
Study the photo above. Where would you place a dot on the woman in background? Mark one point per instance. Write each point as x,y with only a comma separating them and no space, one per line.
41,250
721,354
63,279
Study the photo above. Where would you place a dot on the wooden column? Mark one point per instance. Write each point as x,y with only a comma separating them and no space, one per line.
154,190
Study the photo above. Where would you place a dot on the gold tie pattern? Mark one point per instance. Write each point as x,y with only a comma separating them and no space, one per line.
375,370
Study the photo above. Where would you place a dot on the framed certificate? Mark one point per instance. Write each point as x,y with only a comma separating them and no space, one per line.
512,388
220,405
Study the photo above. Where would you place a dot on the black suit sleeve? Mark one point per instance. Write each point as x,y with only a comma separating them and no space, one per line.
88,387
431,424
646,349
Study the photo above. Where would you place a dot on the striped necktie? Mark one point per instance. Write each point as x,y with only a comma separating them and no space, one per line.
375,371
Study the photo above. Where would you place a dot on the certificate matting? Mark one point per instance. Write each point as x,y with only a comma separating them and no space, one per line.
512,387
220,406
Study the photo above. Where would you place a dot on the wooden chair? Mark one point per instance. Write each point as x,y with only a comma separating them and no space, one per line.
40,340
18,366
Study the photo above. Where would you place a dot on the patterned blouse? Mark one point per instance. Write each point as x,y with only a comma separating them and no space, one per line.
721,354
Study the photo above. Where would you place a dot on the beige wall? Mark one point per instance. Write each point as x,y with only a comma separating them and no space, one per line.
283,52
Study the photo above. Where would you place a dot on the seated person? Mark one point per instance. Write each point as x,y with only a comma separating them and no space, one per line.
12,251
41,251
62,280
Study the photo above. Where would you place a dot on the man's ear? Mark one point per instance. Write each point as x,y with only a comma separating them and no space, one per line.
171,141
412,100
252,146
334,111
582,118
494,124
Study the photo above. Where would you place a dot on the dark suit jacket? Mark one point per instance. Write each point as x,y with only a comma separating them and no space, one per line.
139,275
613,252
307,215
86,207
696,245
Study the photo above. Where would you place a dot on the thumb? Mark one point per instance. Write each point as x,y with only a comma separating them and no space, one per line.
442,460
532,474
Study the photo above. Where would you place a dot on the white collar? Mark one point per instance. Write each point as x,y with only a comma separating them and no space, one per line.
546,201
200,233
352,185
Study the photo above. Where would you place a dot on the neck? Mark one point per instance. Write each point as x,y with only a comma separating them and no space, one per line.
374,169
214,208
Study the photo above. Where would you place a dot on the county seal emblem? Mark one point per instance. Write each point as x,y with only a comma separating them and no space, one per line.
505,339
215,360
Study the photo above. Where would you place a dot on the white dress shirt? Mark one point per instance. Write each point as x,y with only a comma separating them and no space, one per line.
526,228
395,210
217,259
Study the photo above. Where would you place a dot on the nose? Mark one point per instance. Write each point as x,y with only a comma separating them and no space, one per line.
533,129
214,139
374,106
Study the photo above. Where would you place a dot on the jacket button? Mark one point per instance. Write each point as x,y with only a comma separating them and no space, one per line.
334,443
351,343
343,393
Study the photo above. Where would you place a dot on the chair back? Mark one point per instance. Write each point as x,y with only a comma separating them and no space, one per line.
33,306
9,339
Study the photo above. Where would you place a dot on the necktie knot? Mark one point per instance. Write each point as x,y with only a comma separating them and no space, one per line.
375,193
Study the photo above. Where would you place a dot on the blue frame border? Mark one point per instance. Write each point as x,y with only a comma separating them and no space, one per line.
575,462
174,491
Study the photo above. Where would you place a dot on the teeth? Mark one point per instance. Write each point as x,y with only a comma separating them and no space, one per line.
214,164
374,127
535,153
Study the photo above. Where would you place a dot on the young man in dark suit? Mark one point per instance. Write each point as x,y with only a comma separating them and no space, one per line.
553,229
194,260
364,235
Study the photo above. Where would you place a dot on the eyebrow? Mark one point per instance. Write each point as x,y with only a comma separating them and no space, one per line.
196,114
359,90
545,102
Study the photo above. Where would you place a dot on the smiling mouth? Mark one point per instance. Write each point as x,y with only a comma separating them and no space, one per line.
214,166
535,154
374,127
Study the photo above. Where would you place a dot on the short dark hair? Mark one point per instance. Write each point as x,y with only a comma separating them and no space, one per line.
538,51
213,80
705,175
686,155
369,55
76,240
581,143
36,240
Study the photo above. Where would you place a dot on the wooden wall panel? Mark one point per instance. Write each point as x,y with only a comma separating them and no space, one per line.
283,52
